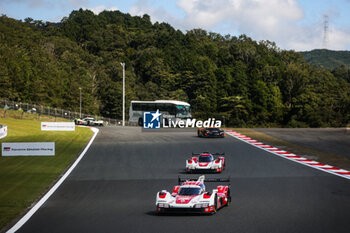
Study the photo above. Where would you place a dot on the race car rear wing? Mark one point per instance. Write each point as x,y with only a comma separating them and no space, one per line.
205,152
211,179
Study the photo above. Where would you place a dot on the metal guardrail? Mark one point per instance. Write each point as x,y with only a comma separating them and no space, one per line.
55,112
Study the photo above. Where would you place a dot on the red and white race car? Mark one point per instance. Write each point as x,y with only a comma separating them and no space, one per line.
205,162
191,196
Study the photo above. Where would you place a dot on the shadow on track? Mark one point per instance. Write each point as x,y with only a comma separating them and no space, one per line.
154,213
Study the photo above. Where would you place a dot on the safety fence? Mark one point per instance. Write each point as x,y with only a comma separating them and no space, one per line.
41,110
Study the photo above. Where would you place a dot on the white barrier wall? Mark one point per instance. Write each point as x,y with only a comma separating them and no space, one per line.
28,148
57,126
3,131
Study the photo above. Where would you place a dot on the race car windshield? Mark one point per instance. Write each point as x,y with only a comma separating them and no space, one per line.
213,129
204,159
189,191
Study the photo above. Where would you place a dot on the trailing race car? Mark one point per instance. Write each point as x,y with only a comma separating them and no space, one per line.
191,196
205,162
211,132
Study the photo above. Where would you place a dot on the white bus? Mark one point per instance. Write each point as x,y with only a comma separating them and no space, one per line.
171,110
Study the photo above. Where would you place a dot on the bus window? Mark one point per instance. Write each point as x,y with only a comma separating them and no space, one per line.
136,107
182,110
170,109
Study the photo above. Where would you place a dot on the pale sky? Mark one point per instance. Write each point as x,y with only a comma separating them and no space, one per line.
292,24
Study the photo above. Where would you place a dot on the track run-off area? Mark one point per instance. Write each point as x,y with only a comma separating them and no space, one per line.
113,188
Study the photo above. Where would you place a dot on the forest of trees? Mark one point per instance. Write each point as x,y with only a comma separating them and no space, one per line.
249,83
328,59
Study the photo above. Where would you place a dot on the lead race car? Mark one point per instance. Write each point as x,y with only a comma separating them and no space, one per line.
211,132
191,196
205,162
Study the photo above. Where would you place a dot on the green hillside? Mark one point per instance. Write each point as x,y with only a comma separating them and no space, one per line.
327,58
249,83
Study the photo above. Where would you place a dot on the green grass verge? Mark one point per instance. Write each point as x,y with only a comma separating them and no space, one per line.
23,179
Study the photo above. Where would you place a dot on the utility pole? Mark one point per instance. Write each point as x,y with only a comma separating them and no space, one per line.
123,65
80,101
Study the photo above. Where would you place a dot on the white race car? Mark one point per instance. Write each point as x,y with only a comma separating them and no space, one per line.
191,196
205,162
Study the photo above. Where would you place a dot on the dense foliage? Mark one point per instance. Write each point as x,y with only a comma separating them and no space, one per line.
245,82
327,58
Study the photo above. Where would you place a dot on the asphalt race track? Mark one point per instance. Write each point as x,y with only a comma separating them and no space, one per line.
114,186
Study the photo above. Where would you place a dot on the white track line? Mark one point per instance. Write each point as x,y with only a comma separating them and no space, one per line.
30,213
290,156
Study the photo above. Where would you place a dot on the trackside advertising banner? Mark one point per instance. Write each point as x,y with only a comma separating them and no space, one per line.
3,131
57,126
28,149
